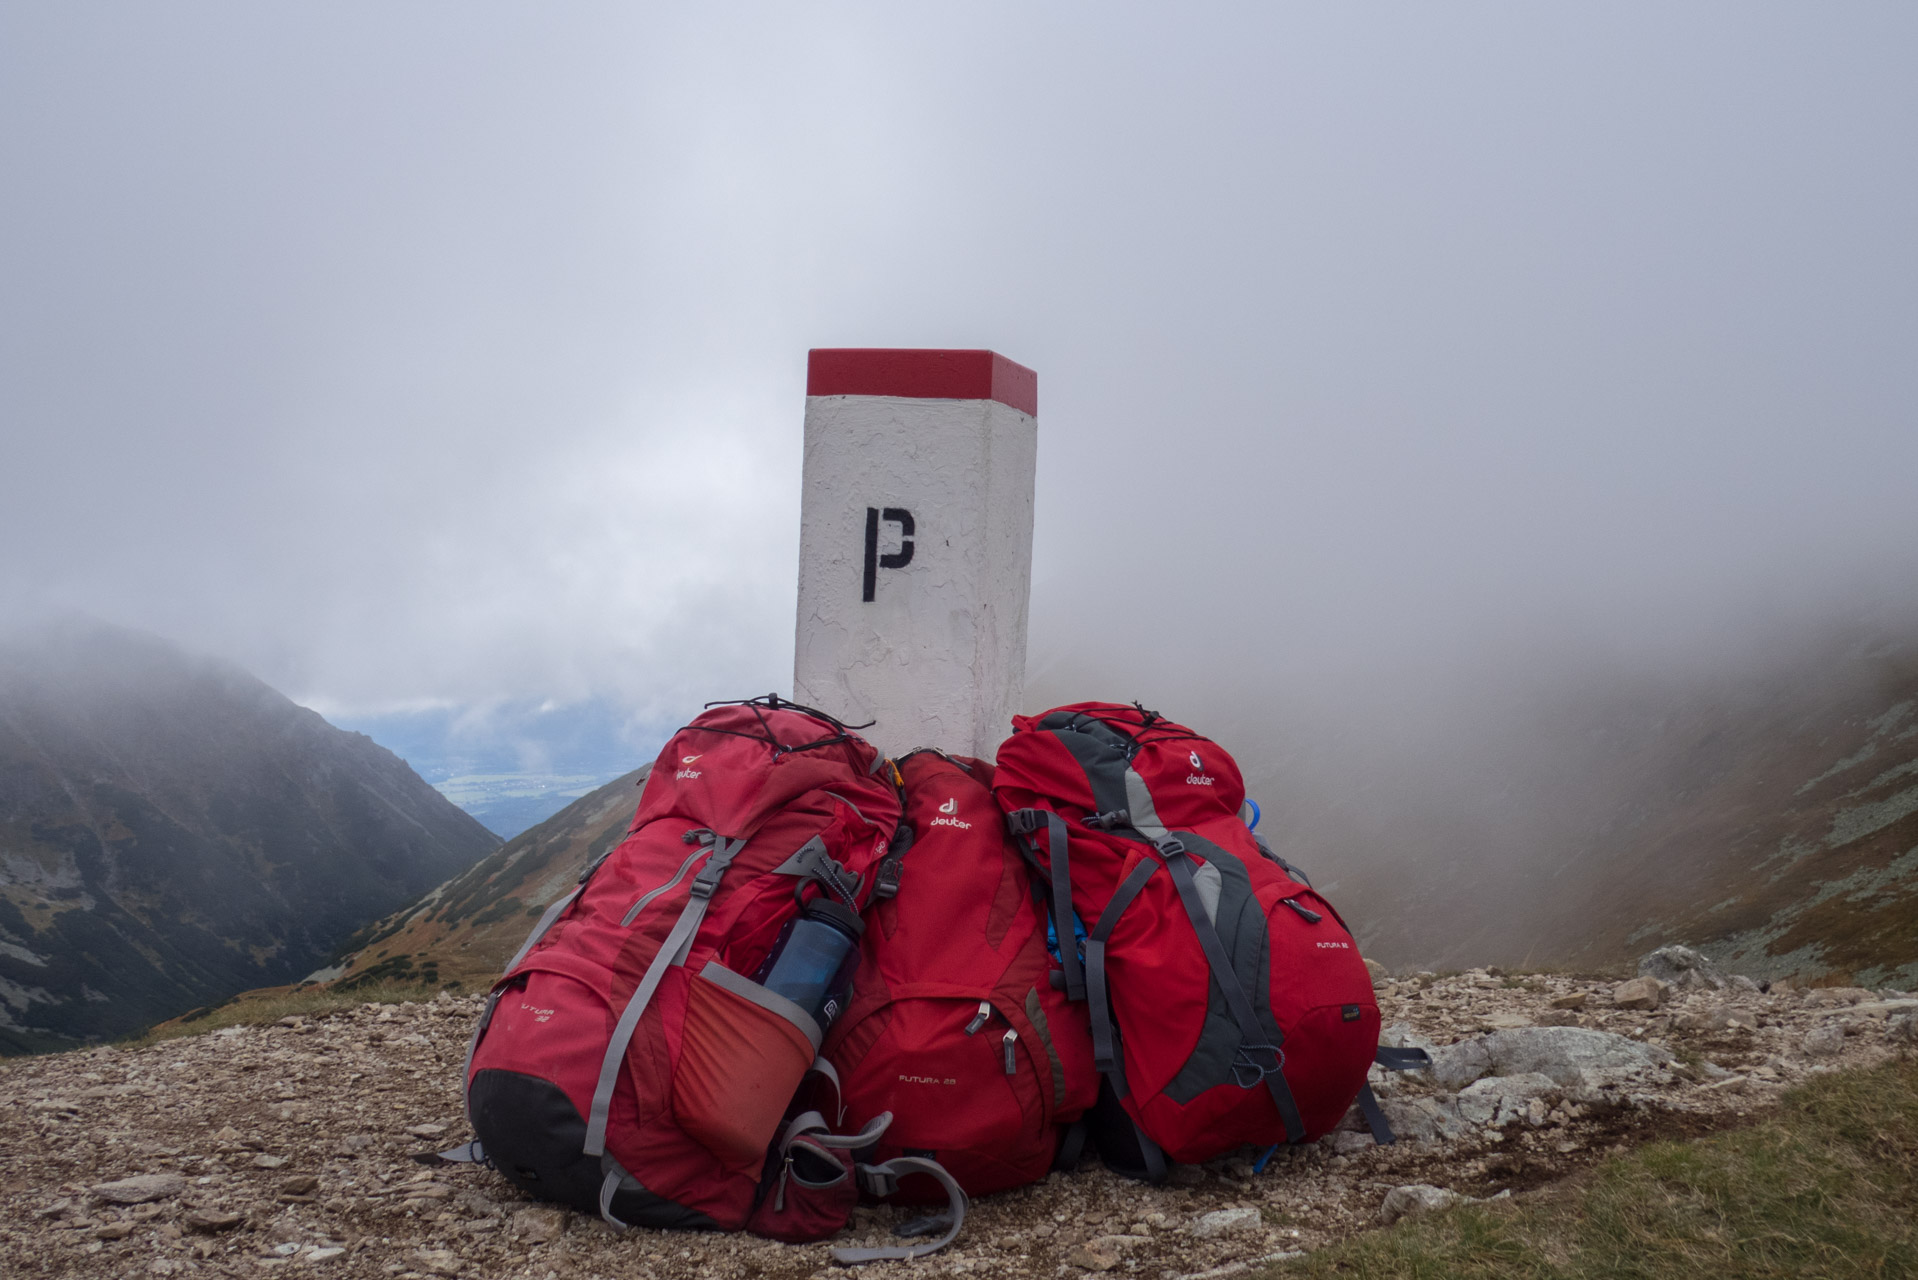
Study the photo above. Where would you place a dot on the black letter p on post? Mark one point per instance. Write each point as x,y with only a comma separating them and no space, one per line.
892,559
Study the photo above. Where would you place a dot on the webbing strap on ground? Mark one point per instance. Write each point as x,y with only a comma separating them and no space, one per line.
883,1179
704,885
1401,1059
1252,1034
1059,864
1104,1050
1154,1157
1375,1117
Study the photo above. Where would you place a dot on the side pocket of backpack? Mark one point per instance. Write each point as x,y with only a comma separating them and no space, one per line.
743,1054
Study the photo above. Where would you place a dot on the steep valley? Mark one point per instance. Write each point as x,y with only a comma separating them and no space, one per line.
172,830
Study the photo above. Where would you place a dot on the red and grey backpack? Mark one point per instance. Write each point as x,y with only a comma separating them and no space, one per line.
627,1064
1228,1002
955,1027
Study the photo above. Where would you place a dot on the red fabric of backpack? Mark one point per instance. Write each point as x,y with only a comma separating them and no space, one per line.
955,1027
627,1064
1229,1004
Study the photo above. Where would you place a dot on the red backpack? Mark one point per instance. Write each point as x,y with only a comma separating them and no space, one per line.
1229,1005
955,1027
627,1064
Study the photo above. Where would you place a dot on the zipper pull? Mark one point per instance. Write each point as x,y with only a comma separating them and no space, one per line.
1011,1039
1305,913
979,1018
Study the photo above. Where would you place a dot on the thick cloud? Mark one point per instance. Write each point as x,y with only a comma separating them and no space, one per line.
455,352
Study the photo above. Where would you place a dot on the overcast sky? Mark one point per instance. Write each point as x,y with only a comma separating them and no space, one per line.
456,351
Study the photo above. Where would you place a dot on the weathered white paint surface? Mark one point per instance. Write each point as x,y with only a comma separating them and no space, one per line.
938,658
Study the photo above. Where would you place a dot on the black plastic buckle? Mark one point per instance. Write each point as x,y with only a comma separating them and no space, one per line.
1109,821
1169,846
886,882
1026,821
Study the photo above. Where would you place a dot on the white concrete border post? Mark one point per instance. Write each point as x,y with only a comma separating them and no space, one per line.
915,544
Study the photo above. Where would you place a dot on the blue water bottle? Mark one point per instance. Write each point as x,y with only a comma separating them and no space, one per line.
812,961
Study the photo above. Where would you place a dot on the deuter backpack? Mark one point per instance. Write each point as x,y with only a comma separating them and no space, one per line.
1228,1002
955,1027
628,1064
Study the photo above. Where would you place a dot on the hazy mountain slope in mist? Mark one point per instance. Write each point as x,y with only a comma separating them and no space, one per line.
1770,818
173,830
465,931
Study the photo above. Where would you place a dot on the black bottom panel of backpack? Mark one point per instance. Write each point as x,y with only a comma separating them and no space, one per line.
532,1133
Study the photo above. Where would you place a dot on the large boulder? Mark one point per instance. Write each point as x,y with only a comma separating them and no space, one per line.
1424,1119
1501,1100
1575,1057
1681,967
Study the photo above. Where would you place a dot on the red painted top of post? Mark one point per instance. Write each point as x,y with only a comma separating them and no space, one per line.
921,375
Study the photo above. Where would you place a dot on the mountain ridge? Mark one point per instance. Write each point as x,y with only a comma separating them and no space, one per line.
173,830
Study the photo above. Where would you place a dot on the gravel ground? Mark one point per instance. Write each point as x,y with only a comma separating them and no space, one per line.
290,1148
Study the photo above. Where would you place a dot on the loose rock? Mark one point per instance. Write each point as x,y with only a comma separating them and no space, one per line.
1825,1041
540,1225
1639,993
142,1189
1221,1223
1681,966
441,1262
1090,1257
1409,1201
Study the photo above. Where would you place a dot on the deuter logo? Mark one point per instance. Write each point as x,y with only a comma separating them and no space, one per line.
539,1015
690,759
1337,946
1198,777
950,807
926,1080
687,773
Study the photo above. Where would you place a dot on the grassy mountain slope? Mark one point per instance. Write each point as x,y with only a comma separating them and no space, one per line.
464,931
172,830
1770,818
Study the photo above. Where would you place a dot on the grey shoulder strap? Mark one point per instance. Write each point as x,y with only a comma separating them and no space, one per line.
704,886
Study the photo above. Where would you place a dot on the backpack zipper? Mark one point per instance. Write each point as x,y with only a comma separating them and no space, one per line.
1305,913
1011,1041
980,1018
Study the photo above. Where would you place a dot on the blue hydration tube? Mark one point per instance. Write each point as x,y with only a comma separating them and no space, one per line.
1253,823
